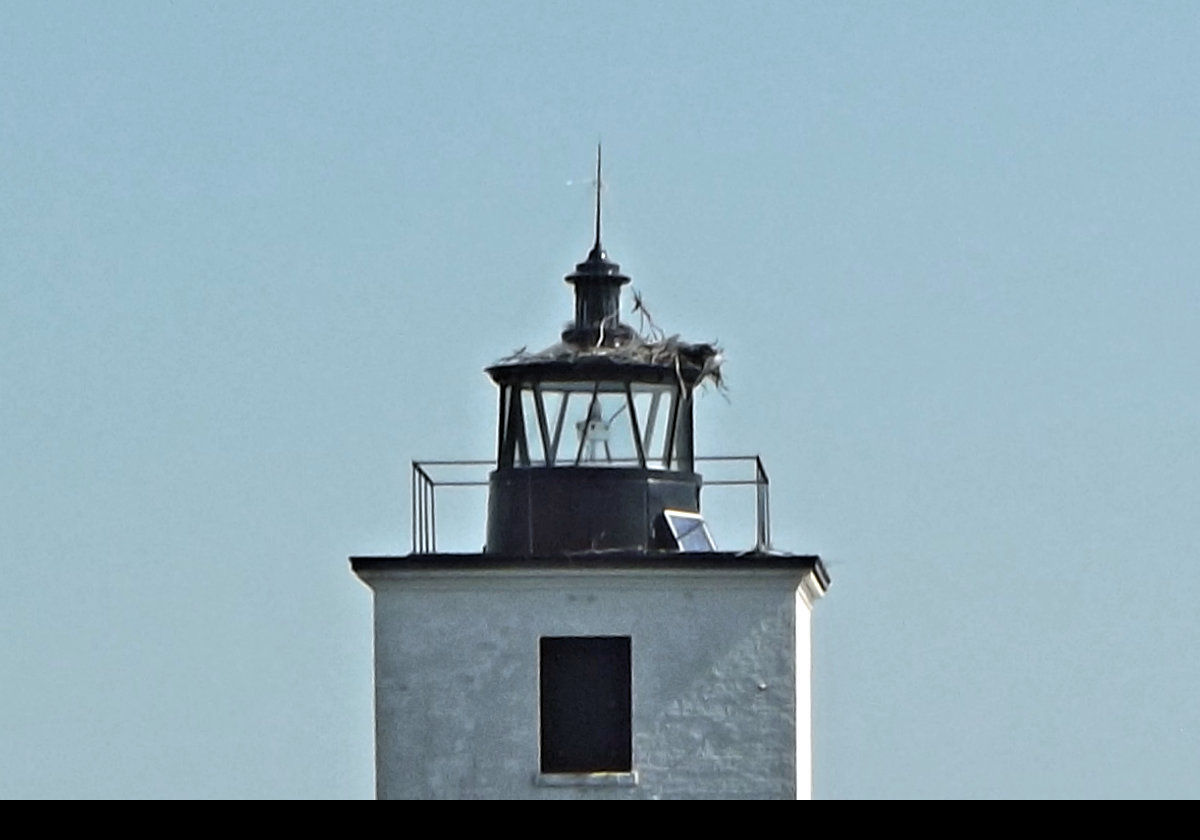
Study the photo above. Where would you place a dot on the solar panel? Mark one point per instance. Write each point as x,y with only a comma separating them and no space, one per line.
689,530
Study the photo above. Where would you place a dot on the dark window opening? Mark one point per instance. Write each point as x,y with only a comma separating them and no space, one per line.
585,704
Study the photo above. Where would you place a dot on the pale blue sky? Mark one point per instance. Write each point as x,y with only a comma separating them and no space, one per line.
254,257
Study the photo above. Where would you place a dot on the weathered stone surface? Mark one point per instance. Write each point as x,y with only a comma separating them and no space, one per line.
714,658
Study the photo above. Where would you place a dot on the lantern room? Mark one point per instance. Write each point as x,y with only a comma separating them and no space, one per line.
595,447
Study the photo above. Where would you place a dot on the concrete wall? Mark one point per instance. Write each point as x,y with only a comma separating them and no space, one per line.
716,655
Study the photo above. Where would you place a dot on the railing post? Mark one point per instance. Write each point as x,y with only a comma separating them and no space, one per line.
432,517
424,515
762,487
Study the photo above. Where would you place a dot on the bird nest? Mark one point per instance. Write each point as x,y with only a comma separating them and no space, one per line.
693,363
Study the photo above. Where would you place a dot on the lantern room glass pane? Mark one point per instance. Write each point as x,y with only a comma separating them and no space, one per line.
533,431
593,424
603,433
655,405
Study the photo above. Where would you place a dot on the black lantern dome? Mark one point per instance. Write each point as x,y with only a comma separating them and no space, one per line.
597,281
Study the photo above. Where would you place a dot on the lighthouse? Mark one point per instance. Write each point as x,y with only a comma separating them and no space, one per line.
601,645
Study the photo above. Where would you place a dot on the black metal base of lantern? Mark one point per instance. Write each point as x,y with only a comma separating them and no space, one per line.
548,510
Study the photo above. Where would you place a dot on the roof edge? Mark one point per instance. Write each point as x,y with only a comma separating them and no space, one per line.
599,561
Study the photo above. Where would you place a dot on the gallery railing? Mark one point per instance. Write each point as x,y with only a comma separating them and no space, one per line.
430,476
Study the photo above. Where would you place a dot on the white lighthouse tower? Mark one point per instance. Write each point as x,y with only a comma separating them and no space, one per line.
601,645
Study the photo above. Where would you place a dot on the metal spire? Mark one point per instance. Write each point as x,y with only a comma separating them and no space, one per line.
596,248
597,281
